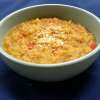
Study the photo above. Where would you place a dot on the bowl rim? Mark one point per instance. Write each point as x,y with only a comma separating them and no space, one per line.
78,60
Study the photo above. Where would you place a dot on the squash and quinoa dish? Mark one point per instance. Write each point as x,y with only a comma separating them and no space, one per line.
49,41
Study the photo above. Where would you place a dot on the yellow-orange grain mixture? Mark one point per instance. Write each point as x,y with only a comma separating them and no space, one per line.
48,41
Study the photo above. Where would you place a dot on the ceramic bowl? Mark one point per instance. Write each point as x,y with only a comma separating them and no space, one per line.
51,72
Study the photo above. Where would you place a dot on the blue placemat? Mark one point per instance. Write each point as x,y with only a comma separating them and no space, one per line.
83,87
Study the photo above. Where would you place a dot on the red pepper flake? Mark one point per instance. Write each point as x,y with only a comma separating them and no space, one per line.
31,46
92,44
55,49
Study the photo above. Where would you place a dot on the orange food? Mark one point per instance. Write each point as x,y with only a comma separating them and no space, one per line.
92,44
49,41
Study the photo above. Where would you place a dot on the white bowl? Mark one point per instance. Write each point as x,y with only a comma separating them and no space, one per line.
51,72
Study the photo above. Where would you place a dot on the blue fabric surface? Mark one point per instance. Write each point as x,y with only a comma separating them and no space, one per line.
83,87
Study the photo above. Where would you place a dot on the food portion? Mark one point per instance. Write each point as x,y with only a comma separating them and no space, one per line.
49,41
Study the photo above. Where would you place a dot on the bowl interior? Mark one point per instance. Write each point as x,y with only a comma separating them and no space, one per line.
61,11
